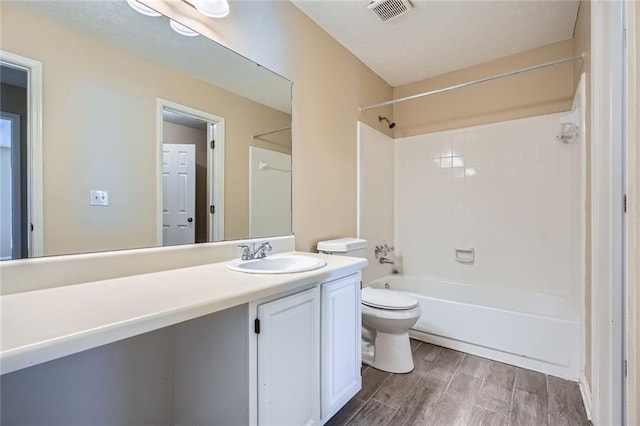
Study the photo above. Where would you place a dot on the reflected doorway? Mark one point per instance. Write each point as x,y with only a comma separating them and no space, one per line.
12,216
192,166
20,167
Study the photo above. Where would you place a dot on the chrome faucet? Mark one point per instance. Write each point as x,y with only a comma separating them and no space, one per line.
250,253
384,260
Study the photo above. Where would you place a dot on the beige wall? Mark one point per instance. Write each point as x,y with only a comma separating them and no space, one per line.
99,122
329,84
538,92
582,45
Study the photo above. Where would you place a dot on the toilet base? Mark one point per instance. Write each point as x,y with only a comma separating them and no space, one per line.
391,353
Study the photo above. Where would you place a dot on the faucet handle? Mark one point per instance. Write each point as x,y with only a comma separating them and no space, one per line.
263,249
246,251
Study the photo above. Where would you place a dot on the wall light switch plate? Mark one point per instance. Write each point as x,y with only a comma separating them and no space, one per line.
98,197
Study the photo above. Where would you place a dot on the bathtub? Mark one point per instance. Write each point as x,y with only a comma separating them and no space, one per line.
535,331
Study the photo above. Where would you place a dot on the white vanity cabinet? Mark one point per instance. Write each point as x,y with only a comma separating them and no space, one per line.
307,353
188,355
340,343
289,360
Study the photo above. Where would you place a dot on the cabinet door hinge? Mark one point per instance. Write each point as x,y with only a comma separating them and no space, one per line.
256,326
626,371
624,202
213,144
212,209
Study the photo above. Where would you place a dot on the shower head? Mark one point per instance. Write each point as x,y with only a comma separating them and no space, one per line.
390,123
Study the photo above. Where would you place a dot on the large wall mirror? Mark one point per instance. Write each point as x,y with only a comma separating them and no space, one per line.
149,137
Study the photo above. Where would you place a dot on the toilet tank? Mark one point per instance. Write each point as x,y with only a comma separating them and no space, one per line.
354,247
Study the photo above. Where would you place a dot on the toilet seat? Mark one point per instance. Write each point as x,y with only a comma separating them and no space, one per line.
387,299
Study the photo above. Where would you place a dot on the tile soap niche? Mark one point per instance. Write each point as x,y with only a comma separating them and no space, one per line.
465,255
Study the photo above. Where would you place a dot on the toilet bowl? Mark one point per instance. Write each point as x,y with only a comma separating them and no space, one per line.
387,316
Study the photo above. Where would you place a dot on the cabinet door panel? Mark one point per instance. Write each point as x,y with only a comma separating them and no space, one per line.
341,341
288,360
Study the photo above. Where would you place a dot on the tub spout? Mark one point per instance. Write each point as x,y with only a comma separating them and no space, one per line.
384,260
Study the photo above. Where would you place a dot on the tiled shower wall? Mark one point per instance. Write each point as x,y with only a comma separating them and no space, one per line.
510,190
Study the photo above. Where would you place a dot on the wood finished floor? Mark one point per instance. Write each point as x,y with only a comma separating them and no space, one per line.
450,388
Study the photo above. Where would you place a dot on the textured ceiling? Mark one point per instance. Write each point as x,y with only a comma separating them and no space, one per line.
183,119
114,22
437,37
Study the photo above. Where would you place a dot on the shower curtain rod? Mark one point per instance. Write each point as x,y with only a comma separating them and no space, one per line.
471,83
271,132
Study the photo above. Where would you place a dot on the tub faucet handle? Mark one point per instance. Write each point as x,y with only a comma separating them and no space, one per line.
383,250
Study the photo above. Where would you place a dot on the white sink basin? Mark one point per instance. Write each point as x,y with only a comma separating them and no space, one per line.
278,264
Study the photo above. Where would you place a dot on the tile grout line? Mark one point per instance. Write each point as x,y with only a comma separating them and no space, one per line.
346,422
385,404
455,373
478,391
373,398
364,402
513,395
382,384
546,383
446,389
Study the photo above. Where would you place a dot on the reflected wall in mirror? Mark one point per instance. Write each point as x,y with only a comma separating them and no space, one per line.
117,87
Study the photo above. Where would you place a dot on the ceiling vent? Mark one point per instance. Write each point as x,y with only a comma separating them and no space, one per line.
387,10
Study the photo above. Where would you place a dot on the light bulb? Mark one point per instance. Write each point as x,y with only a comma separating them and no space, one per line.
141,8
212,8
182,30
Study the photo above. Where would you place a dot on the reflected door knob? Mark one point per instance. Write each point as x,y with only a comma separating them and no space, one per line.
189,219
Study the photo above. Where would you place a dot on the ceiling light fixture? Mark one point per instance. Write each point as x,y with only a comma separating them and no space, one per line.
182,30
141,8
212,8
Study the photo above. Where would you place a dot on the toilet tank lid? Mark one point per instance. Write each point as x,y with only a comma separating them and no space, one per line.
342,245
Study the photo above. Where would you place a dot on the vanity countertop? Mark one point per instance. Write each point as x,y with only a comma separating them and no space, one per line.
39,326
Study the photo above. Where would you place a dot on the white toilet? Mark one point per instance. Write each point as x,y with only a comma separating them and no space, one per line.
387,316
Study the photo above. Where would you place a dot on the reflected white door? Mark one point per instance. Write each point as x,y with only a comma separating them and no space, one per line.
178,194
270,193
10,220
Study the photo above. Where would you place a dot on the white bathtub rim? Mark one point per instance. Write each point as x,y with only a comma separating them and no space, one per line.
474,286
571,316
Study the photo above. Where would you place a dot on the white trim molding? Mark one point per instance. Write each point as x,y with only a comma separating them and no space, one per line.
633,197
607,83
34,148
215,168
585,392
